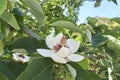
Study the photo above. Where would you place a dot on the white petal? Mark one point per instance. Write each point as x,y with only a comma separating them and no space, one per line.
63,52
75,57
57,39
58,59
72,71
45,52
49,41
73,45
26,59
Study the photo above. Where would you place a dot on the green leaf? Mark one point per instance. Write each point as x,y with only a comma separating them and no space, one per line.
11,69
38,69
1,47
66,24
11,4
36,10
98,40
113,47
81,73
116,19
3,4
5,29
10,19
85,63
2,77
30,44
97,3
114,1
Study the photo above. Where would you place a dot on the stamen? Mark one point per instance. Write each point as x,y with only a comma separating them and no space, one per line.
22,56
63,41
57,47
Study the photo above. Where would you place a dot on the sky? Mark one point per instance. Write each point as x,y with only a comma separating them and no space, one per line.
107,9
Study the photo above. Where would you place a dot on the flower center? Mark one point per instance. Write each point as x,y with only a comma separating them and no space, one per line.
22,56
62,43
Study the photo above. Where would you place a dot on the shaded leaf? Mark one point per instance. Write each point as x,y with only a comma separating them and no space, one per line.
82,74
30,44
36,10
2,77
38,69
98,40
11,69
97,3
3,4
10,19
115,1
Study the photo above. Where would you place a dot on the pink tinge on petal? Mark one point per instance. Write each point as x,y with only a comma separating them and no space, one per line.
45,52
75,57
58,59
49,41
73,45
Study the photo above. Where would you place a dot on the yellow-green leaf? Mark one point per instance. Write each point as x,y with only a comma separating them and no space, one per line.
3,4
1,47
10,19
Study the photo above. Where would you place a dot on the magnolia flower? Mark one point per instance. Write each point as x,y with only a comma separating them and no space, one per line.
20,57
61,49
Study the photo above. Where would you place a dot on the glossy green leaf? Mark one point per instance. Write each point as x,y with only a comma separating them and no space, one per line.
98,40
11,69
11,4
1,47
10,19
82,74
3,4
66,24
36,10
38,69
30,44
2,77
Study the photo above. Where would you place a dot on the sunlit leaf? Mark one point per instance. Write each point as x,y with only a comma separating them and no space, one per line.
10,19
85,63
1,47
89,35
3,4
66,24
38,69
36,10
116,19
11,4
2,77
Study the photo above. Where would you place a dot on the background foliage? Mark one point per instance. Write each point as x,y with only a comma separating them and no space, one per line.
24,24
